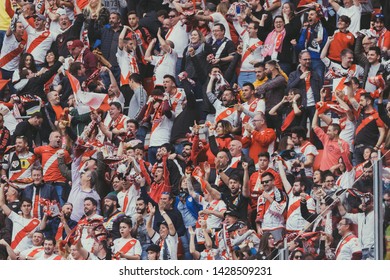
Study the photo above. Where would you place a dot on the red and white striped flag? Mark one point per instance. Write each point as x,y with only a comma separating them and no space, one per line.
87,101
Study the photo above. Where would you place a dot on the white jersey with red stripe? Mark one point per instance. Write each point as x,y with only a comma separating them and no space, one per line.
303,151
347,246
251,48
31,251
165,64
176,101
128,64
162,133
38,48
212,220
18,224
225,113
257,105
11,63
179,36
294,220
119,243
19,167
132,195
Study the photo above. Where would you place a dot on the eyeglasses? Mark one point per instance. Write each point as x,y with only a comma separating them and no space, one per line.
171,16
266,181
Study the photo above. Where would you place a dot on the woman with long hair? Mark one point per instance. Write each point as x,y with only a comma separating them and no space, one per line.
278,43
219,138
267,249
291,110
27,61
194,56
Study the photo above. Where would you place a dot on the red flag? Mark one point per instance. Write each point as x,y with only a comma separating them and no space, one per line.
82,3
3,83
198,175
87,101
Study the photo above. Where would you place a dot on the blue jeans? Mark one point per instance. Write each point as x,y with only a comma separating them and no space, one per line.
185,241
246,77
62,191
152,151
318,66
368,253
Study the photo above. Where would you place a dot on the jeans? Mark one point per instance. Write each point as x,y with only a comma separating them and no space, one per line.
246,77
185,241
152,151
318,66
368,253
62,191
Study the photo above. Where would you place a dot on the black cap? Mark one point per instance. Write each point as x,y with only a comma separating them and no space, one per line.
231,213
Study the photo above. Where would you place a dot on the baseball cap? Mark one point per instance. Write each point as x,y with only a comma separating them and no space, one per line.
41,17
75,43
231,213
112,196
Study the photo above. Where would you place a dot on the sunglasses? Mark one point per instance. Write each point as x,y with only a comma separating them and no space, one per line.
266,181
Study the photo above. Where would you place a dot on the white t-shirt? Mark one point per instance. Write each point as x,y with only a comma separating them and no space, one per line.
171,242
179,36
164,65
219,206
132,195
354,13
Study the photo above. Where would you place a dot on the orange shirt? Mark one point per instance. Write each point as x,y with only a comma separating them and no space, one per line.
58,110
341,41
49,162
258,142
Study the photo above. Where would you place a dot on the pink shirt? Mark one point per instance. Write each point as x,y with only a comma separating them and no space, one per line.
332,153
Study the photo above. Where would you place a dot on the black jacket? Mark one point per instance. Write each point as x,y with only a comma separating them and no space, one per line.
294,81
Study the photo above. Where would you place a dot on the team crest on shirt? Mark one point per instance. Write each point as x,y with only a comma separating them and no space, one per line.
253,106
46,34
228,112
21,45
15,164
349,36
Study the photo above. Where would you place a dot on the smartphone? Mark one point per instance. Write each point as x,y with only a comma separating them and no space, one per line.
238,10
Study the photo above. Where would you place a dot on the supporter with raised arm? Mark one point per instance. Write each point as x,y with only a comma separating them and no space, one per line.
22,225
330,141
166,238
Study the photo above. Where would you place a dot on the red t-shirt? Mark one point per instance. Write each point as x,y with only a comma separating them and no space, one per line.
49,162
